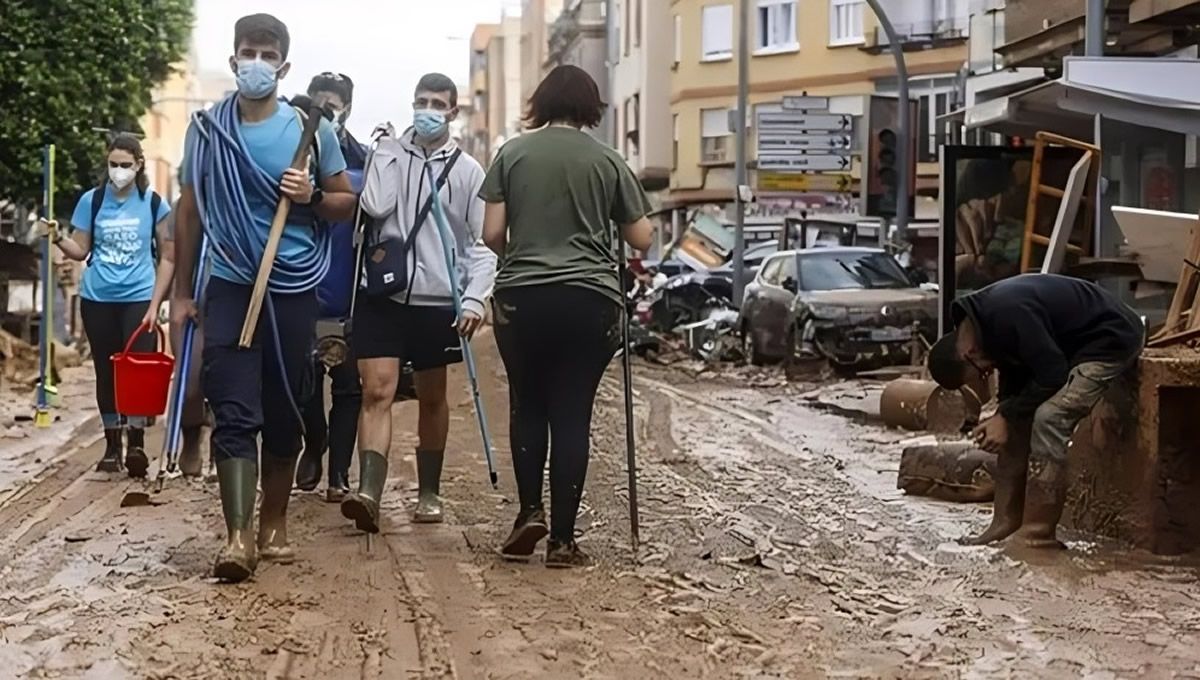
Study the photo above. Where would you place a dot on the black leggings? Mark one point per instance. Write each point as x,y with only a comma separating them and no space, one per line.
556,342
108,326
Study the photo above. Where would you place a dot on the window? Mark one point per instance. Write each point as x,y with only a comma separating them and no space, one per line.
631,141
772,271
675,141
846,22
717,33
637,24
776,26
678,39
714,135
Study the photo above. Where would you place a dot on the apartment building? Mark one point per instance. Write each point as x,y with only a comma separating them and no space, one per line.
578,37
537,17
640,89
830,48
476,134
496,83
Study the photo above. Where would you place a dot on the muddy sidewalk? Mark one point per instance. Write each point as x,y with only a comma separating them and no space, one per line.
774,545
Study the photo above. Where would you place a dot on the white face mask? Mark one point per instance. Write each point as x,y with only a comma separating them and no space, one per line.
121,177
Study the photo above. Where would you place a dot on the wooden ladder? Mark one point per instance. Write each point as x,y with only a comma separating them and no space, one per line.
1183,318
1037,189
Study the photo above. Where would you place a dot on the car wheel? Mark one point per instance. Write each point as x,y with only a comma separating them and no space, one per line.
750,348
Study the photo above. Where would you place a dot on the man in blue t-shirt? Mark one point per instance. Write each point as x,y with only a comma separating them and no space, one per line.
255,391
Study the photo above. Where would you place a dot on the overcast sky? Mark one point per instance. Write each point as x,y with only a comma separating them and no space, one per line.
383,45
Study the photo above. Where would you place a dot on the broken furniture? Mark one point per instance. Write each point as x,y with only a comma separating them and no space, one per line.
952,471
1183,318
1079,191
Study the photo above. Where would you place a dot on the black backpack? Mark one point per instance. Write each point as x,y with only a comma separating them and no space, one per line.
155,204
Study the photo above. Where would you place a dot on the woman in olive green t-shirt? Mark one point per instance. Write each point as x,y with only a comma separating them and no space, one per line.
553,195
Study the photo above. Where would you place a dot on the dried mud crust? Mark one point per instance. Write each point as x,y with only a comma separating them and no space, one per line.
774,545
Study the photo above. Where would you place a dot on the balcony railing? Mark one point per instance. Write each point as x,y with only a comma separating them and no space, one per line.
925,33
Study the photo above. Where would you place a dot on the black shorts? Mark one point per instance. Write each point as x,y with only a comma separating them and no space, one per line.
422,336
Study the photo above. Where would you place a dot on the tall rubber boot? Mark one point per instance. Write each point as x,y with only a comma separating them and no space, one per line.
111,462
238,480
191,458
1045,496
136,460
277,474
363,505
1008,507
429,481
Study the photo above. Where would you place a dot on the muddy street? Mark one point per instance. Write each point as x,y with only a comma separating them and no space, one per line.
775,544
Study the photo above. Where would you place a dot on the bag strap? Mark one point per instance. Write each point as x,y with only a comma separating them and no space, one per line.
423,216
97,203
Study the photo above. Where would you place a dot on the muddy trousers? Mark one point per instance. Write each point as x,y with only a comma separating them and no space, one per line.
246,388
1055,420
341,430
556,342
108,326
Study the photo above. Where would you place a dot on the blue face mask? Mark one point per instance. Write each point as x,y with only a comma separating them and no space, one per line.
429,124
255,78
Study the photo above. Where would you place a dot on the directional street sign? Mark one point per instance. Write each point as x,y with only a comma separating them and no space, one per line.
789,141
805,122
812,163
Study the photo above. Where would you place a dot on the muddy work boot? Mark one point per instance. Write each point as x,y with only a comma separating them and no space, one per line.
1045,495
111,462
363,505
339,487
308,470
566,556
238,480
136,460
529,529
429,481
191,458
277,474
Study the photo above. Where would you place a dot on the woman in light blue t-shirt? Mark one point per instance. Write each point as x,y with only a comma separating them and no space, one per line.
119,226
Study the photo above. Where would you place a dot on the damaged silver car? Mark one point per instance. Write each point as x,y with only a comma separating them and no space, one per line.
855,307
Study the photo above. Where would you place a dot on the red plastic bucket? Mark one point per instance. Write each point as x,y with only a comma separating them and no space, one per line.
142,380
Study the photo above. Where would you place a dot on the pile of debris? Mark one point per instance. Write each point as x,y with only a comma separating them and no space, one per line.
19,361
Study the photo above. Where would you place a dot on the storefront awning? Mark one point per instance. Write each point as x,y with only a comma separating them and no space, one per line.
1145,92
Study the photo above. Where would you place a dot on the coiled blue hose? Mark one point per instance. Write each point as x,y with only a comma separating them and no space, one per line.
222,172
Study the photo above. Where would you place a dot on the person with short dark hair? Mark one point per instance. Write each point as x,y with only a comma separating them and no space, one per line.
237,168
1058,343
553,197
119,225
335,92
406,312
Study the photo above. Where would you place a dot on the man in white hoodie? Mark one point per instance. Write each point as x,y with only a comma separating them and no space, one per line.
407,311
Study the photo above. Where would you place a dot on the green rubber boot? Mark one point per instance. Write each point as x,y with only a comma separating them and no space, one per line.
277,475
363,505
429,481
238,480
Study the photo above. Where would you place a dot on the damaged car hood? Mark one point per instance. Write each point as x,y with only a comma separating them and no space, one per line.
871,298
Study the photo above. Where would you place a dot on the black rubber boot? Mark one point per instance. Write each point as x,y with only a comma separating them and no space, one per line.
339,487
429,482
308,470
363,505
111,462
238,479
136,460
277,474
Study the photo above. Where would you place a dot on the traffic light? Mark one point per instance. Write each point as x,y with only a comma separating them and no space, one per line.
881,171
888,172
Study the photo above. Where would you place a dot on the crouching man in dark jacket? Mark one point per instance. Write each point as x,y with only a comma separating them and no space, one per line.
1058,342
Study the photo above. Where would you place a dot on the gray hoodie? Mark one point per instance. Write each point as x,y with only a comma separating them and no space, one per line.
397,186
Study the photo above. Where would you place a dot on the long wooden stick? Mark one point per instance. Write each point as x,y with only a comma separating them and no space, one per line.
299,162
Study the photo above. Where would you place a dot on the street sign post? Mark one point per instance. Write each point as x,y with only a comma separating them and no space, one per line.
805,163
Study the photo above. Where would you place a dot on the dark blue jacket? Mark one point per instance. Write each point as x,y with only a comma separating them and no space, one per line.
335,290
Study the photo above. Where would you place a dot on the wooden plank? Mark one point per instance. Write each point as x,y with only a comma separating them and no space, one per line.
1157,239
1050,191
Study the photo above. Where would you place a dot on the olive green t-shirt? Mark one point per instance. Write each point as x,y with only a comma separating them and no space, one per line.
562,191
